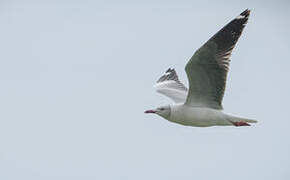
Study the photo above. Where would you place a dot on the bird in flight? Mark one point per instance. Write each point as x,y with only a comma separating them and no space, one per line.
200,105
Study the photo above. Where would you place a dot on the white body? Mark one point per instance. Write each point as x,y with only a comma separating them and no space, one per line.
201,103
197,116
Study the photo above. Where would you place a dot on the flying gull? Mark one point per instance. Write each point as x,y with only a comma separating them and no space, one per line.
201,104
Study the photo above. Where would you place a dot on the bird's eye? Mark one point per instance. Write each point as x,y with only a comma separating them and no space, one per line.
161,109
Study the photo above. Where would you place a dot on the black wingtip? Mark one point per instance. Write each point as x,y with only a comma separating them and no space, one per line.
246,13
170,70
170,74
242,18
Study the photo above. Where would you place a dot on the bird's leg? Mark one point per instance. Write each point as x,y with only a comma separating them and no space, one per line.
240,123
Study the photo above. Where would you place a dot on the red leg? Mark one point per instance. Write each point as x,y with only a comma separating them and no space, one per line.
241,123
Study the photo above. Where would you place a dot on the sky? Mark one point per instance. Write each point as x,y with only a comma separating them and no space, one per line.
76,77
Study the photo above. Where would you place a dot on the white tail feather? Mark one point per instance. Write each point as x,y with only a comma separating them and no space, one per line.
239,119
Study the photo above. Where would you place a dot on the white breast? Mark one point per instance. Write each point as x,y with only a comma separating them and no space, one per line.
197,116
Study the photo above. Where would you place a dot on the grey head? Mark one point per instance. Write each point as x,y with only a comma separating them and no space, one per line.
163,111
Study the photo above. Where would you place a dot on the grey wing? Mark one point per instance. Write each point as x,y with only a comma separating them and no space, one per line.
208,67
170,86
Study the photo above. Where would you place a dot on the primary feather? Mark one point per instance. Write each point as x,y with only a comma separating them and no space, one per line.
170,86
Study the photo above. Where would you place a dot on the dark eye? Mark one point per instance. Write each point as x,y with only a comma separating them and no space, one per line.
161,109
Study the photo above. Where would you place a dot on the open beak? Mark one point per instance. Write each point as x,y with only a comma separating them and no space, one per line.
150,111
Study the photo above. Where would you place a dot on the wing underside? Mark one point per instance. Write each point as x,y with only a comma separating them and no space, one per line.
208,67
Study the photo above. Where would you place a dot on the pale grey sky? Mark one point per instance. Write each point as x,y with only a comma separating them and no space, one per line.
76,77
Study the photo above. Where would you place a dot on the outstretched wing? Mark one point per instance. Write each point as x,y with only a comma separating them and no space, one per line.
170,86
208,67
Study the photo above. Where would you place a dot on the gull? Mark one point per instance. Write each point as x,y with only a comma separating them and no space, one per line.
200,105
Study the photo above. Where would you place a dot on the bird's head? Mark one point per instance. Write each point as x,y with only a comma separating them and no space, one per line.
163,111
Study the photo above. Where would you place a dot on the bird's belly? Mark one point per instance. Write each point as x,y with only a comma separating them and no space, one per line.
200,117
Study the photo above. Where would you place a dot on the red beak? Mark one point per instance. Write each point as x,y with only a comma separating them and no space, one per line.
150,111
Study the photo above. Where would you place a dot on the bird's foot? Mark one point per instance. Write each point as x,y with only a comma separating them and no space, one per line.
241,123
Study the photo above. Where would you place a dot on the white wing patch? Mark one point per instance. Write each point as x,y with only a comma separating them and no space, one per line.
170,86
240,17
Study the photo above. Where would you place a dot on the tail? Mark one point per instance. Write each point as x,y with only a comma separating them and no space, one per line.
238,121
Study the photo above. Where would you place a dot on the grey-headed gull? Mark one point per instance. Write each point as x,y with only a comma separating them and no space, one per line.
201,104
